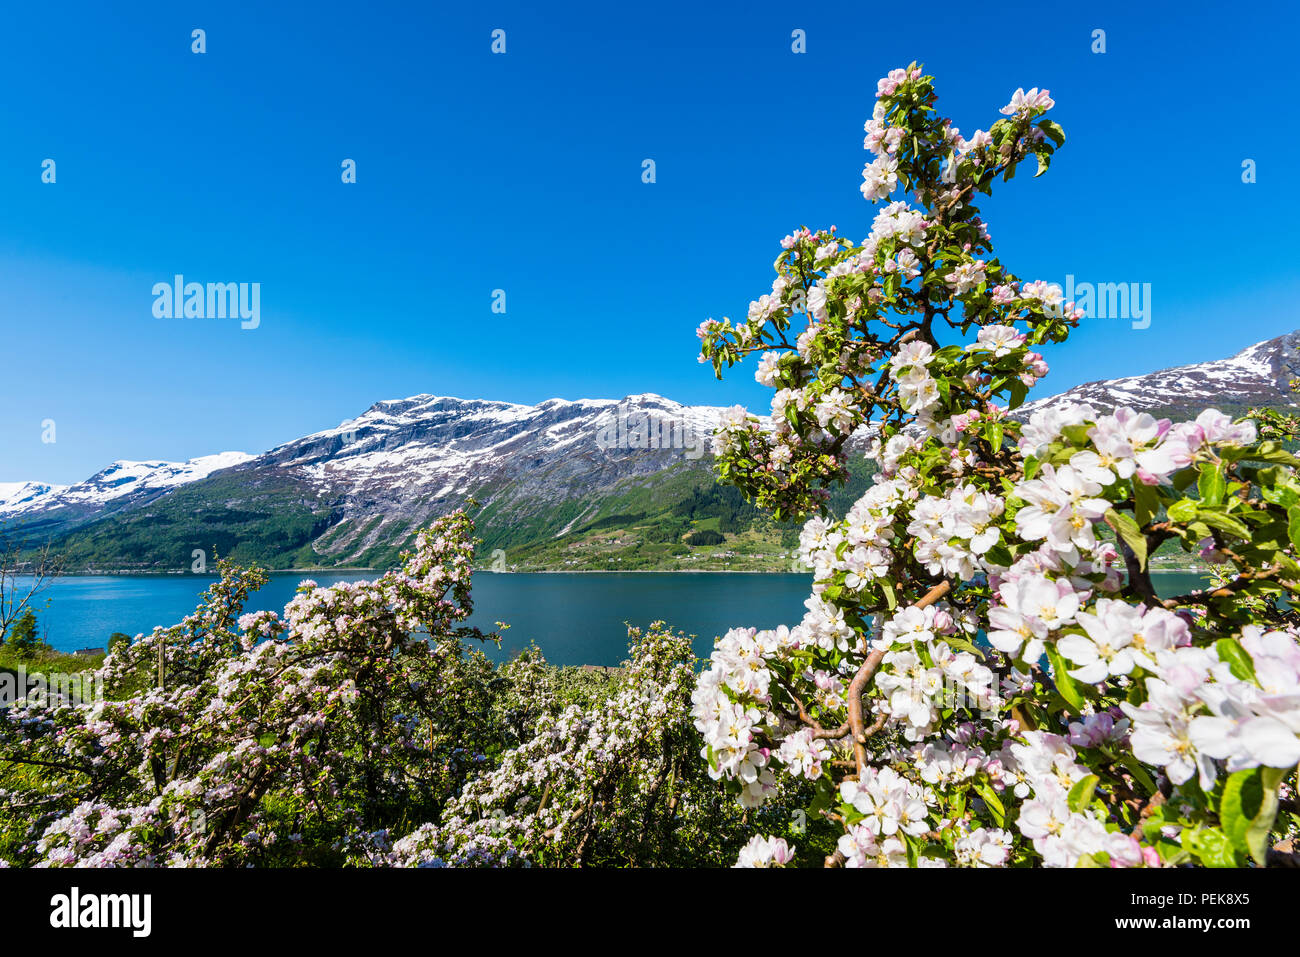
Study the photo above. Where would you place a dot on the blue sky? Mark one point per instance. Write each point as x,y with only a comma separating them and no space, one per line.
522,172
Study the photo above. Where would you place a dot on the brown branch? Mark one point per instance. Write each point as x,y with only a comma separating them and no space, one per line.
868,671
1205,595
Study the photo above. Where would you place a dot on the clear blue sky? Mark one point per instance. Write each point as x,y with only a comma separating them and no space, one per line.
523,172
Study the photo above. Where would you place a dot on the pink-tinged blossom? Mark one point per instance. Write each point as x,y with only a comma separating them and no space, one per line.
1023,103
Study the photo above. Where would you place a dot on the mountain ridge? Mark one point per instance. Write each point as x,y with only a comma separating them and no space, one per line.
608,483
1258,375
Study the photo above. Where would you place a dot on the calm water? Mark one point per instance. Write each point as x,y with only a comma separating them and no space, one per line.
575,618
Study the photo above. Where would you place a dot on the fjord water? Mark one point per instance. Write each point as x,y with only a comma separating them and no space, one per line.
575,618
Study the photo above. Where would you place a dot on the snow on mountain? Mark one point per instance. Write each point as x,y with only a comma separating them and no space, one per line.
119,480
17,496
368,481
404,461
438,439
338,495
1256,376
435,449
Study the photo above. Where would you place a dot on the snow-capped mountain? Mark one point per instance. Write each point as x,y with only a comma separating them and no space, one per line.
446,446
1256,376
18,496
354,494
135,482
349,494
406,461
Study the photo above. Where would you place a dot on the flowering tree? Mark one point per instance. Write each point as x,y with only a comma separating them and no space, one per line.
614,785
258,739
986,674
362,727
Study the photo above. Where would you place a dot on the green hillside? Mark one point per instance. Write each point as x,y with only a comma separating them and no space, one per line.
680,518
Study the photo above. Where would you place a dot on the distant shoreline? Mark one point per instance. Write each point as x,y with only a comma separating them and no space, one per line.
145,573
646,571
531,571
124,573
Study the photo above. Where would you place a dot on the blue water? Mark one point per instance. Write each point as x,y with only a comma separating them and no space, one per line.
575,618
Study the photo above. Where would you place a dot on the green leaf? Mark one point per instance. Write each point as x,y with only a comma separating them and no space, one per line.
1293,525
1140,773
1128,530
999,554
995,436
1272,452
1211,485
1153,823
823,798
1171,853
992,801
1276,486
1183,478
1053,131
1182,511
1248,809
1239,662
1077,434
1081,794
962,644
1211,846
1242,796
1223,522
1066,685
1146,502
